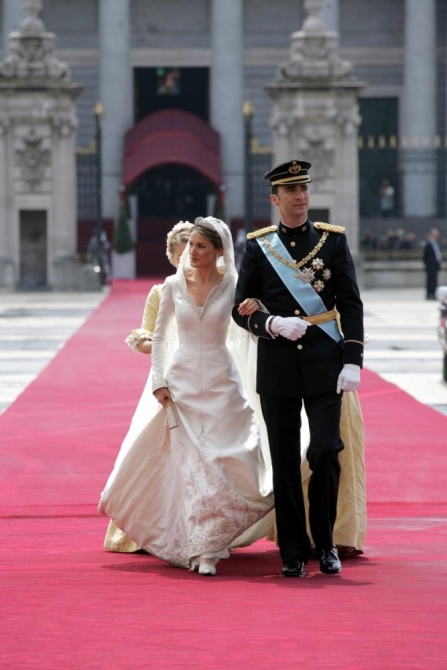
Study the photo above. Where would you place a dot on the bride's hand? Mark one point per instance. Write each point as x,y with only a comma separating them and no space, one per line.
163,396
248,307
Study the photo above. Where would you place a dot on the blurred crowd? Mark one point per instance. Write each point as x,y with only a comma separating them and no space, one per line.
392,239
398,239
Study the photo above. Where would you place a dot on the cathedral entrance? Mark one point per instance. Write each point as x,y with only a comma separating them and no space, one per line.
165,195
171,164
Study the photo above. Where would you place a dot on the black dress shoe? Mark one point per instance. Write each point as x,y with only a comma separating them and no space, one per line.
329,562
294,568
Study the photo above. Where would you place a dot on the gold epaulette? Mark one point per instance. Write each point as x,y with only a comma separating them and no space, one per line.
261,232
329,228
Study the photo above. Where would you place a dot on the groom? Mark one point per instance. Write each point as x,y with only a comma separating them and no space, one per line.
302,272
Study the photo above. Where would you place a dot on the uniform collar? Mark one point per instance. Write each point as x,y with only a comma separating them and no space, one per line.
294,232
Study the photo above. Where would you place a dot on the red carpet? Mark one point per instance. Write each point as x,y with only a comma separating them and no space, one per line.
67,603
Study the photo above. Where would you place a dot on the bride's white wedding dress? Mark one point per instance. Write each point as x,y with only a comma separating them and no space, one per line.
192,491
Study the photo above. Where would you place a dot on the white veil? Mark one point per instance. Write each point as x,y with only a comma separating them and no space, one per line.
227,260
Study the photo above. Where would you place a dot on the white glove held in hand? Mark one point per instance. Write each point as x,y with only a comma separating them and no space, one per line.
290,327
349,378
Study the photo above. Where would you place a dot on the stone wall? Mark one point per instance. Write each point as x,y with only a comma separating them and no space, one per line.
371,37
74,23
397,274
175,23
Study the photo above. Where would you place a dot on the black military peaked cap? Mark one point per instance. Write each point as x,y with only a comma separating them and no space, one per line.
293,172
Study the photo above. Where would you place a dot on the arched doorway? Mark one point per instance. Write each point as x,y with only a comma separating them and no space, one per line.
172,164
165,195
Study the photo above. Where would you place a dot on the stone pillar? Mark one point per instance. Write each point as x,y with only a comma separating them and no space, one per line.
418,157
6,243
315,118
330,15
37,160
116,96
227,97
13,16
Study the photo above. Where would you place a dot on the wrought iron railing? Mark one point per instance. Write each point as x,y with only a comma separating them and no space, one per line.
86,167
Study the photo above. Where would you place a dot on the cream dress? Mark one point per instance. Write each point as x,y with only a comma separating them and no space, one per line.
192,491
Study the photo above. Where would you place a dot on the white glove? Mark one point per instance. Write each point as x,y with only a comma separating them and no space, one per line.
349,378
290,327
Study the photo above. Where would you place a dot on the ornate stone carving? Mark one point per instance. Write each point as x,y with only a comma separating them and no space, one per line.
65,126
282,124
349,121
314,51
4,125
32,50
32,158
313,142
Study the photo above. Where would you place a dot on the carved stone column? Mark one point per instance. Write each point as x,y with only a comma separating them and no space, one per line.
115,92
37,155
418,156
6,258
315,118
227,91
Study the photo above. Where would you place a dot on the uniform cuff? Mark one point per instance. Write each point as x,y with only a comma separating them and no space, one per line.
353,353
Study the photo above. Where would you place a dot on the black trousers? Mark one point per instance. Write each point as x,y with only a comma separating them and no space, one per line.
432,281
283,420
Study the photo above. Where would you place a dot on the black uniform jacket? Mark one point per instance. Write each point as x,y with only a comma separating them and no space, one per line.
430,260
311,365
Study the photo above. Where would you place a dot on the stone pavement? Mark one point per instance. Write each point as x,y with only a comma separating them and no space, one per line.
403,346
33,328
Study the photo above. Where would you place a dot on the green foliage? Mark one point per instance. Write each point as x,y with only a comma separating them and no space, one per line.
122,241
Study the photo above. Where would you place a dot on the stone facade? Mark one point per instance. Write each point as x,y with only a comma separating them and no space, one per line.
315,114
38,125
177,33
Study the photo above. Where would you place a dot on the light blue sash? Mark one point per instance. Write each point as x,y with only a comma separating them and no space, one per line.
303,292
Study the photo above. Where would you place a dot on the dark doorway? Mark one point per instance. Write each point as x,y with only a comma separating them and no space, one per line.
172,191
166,195
378,153
33,249
158,88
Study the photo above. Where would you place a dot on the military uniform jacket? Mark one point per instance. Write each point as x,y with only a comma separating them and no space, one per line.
311,365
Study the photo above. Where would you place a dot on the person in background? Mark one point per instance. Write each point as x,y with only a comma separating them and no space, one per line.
386,198
432,260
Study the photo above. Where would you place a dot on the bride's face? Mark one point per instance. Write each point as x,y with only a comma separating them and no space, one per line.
202,253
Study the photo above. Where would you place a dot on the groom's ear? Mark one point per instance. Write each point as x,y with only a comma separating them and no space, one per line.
274,199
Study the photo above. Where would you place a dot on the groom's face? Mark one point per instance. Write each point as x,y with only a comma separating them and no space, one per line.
293,201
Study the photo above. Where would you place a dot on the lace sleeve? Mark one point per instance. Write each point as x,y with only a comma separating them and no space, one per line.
161,336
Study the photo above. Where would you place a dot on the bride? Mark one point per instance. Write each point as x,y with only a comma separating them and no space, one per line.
187,494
